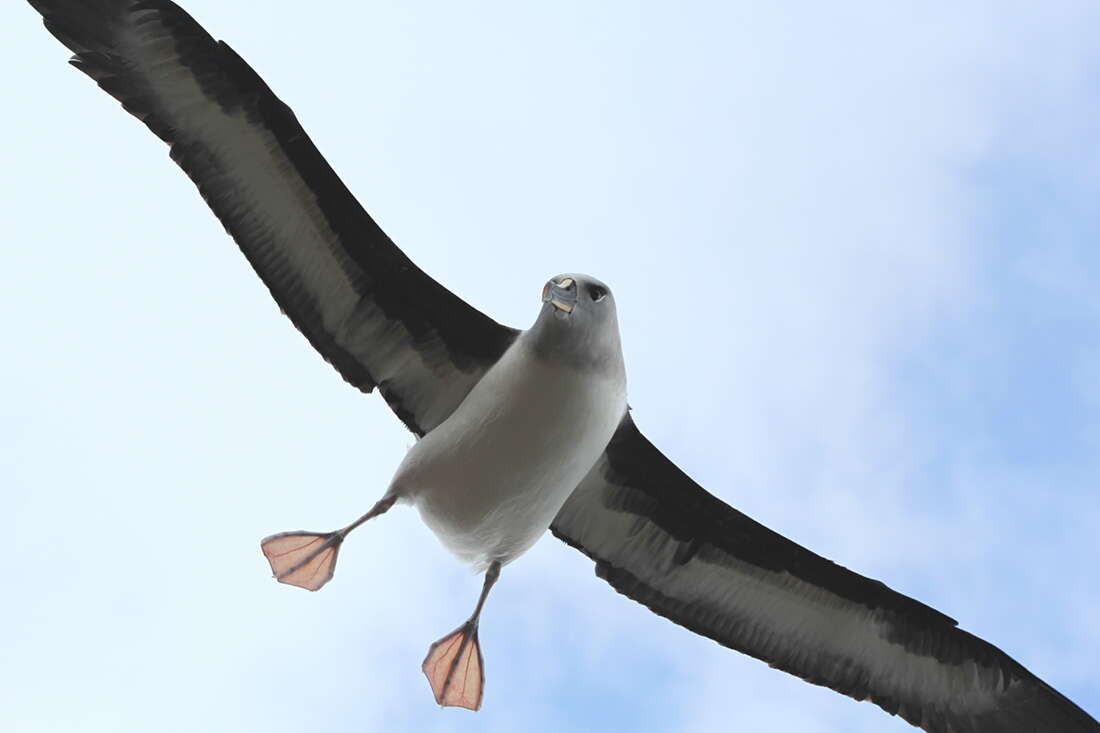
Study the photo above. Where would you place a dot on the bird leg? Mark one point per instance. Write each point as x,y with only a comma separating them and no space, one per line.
308,559
454,665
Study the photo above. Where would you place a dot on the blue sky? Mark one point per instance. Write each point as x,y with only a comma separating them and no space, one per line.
854,252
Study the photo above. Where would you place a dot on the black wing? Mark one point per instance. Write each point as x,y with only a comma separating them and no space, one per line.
661,539
373,314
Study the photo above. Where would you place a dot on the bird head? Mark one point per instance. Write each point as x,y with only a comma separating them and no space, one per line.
578,322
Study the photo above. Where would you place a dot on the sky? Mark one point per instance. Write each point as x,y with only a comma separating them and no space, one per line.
854,255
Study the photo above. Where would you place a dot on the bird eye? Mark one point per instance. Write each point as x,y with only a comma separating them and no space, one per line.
597,293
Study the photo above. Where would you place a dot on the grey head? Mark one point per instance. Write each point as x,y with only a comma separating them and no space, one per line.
578,325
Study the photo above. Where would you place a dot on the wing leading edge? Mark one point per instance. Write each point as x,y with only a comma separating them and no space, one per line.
662,540
372,313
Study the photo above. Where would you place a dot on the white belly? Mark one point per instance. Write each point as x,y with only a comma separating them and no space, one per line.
492,477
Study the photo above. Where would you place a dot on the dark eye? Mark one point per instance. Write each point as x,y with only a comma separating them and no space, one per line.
597,293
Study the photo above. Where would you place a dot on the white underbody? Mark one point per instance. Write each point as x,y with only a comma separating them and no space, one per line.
492,477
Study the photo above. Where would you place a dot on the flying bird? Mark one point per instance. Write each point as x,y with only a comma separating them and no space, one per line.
520,431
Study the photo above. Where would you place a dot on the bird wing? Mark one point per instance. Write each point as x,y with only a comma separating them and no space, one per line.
661,539
372,313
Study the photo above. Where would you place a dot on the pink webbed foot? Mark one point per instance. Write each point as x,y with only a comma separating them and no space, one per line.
304,559
455,669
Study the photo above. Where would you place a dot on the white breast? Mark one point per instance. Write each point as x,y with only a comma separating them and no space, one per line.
490,479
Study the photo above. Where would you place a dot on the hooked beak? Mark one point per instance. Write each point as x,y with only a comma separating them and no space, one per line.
562,295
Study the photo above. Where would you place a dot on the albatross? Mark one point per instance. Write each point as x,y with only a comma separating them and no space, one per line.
520,431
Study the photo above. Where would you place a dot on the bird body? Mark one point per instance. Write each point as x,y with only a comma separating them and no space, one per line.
491,478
